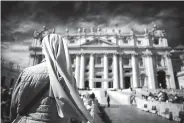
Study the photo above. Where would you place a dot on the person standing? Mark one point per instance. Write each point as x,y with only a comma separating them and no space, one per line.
105,93
108,101
47,92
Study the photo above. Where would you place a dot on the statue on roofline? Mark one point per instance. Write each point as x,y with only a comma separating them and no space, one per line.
39,35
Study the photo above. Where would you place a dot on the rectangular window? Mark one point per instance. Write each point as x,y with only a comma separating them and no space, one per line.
125,41
127,71
110,71
139,42
87,61
87,70
156,41
109,40
109,61
72,60
72,41
126,61
159,61
98,60
98,76
140,62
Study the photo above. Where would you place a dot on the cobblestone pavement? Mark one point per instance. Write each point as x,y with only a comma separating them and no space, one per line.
130,114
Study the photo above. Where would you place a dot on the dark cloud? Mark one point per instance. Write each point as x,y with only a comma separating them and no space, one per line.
20,19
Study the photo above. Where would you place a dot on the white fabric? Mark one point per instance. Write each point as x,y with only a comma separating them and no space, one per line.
62,81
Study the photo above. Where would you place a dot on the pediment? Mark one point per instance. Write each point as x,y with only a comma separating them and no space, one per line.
99,42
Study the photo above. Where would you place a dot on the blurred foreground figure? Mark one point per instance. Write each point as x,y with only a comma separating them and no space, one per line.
47,93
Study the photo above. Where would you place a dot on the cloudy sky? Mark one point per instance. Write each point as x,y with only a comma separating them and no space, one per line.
20,19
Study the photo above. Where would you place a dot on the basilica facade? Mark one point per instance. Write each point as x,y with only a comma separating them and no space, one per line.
111,59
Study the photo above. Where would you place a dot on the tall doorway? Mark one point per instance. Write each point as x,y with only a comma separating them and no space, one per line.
127,82
86,84
98,85
110,84
161,78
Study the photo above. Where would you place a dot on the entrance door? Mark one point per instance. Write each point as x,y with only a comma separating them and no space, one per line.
98,85
110,85
127,82
161,78
86,84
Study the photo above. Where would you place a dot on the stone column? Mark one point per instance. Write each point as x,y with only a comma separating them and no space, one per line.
150,70
105,71
91,71
121,72
135,70
115,72
170,70
168,81
77,69
82,67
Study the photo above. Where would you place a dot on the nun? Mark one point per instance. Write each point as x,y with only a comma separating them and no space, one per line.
47,92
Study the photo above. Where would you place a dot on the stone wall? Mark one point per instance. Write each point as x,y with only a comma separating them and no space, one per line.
167,110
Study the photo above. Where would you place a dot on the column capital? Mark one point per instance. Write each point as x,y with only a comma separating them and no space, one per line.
115,53
134,54
92,54
121,54
106,54
82,53
74,53
78,54
148,53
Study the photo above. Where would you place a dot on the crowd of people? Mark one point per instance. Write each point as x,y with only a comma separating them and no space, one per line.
164,97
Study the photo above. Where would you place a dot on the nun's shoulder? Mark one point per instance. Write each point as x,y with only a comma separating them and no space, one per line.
37,70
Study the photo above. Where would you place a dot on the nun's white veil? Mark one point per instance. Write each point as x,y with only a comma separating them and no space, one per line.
62,81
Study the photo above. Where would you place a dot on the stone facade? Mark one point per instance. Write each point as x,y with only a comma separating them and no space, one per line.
102,59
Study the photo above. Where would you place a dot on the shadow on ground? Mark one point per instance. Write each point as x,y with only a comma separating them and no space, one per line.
103,115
